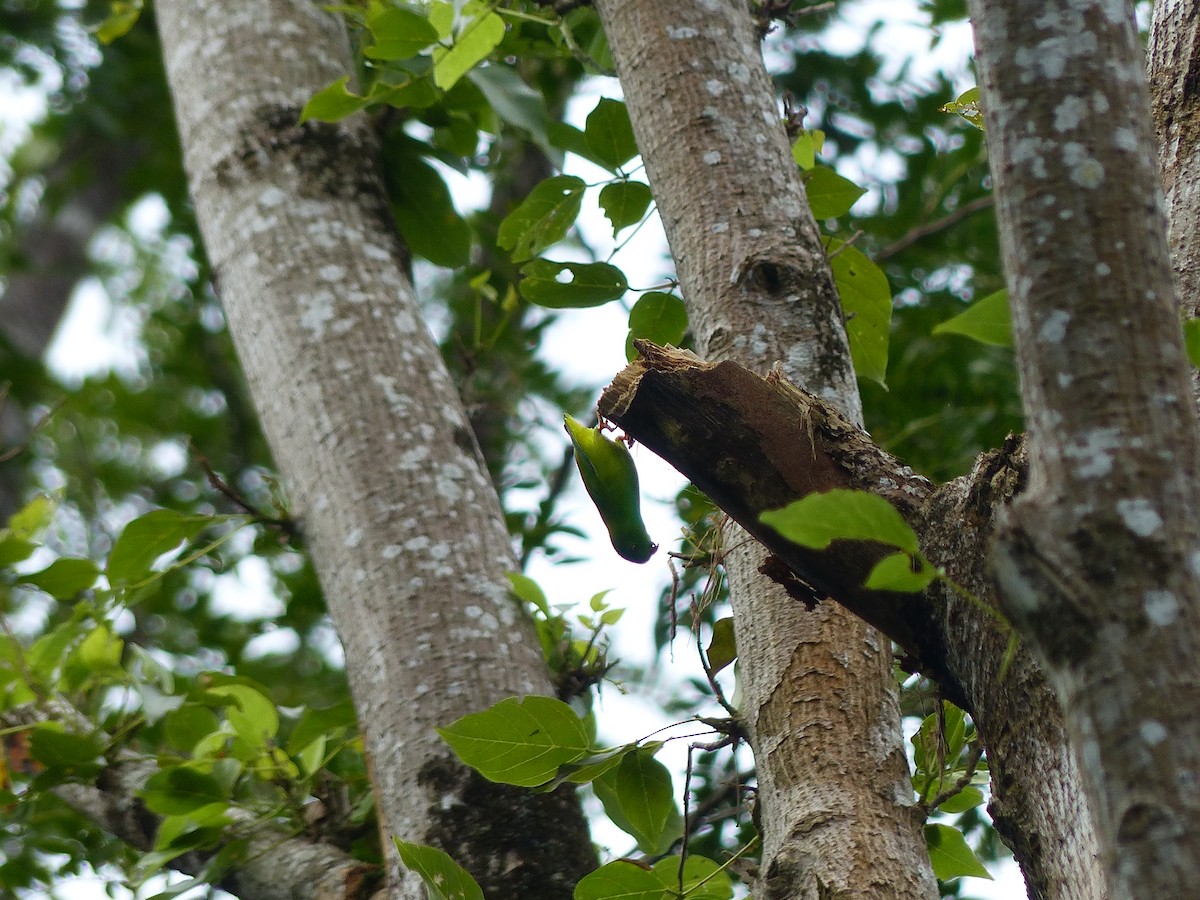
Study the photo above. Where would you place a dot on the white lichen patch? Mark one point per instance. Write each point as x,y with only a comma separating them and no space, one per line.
681,32
1103,269
1069,113
1161,607
353,538
486,619
715,87
720,227
316,312
1139,516
1054,328
739,72
712,157
331,272
1094,453
1153,732
1124,139
1089,174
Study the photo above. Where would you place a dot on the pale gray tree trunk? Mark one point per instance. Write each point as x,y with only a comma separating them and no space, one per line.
402,522
1098,562
820,703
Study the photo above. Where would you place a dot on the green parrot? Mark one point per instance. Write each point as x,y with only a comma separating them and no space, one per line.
612,481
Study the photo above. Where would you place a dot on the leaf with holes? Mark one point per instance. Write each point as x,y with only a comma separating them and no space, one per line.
568,285
543,218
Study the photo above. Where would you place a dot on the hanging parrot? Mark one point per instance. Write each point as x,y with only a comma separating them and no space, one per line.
611,480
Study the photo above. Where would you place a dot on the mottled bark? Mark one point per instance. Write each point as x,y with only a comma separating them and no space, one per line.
401,519
820,703
1098,562
1173,68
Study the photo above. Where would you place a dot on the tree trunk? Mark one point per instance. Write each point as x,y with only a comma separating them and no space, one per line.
820,703
1097,563
402,522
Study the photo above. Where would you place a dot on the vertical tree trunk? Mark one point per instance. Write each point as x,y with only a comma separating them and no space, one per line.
400,517
1098,563
820,702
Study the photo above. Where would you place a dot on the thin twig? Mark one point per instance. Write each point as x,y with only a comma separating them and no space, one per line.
929,228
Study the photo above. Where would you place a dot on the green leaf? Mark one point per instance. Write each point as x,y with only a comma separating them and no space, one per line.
829,194
987,321
190,724
968,106
543,218
473,44
609,134
721,649
398,34
573,140
520,742
426,216
588,284
702,879
332,102
639,798
867,304
895,573
100,649
65,751
513,100
251,714
950,854
147,538
64,578
968,798
180,790
1191,339
624,203
319,723
806,147
444,878
658,317
31,520
529,591
123,15
14,549
589,768
819,519
623,880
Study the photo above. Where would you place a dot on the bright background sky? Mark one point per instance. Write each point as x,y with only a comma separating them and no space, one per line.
92,338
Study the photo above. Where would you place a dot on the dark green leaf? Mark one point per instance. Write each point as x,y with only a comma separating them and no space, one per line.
829,194
625,202
543,218
425,214
639,797
1191,338
444,878
622,880
513,100
180,790
519,742
64,578
585,285
950,854
398,34
967,798
702,878
721,649
147,538
66,751
657,317
609,133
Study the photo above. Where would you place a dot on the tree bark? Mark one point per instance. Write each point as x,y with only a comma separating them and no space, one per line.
820,704
401,519
1097,563
753,444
